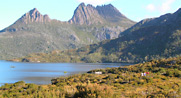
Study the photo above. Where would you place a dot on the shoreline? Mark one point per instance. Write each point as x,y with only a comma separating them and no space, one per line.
66,75
162,80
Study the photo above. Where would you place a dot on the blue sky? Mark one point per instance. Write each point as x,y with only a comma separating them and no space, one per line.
136,10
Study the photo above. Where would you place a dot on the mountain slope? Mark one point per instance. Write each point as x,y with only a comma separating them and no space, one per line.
149,39
160,35
35,32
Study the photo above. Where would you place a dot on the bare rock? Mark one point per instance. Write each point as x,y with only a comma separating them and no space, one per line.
86,15
34,16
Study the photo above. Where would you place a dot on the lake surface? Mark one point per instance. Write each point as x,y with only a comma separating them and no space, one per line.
42,73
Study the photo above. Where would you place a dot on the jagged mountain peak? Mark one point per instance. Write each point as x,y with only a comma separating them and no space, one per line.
34,12
106,6
34,16
86,15
110,13
82,4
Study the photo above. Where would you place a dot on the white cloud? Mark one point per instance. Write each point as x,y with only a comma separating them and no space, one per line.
163,7
166,5
95,2
150,7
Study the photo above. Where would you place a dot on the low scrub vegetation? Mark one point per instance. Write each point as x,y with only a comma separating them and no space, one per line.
163,80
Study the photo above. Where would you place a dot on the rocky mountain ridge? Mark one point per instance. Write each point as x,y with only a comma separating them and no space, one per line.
34,16
34,32
110,13
88,14
147,40
171,20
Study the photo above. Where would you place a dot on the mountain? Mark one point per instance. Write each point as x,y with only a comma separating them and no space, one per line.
86,15
169,19
111,14
33,16
98,15
149,39
34,32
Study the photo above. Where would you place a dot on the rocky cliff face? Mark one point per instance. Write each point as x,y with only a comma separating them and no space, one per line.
101,16
34,16
86,15
108,32
110,13
98,15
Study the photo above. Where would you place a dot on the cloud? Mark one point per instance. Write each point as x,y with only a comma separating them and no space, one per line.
95,2
166,5
163,7
150,7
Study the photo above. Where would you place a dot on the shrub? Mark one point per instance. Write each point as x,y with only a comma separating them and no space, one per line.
93,91
169,73
177,73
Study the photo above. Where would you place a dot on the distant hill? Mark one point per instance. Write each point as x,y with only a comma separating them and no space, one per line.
34,32
149,39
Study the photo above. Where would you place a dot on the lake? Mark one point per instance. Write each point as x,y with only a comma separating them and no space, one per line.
42,73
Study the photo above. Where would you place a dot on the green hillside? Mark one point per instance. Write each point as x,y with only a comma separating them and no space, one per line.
149,39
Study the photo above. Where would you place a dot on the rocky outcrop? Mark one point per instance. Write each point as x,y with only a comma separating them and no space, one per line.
34,16
108,32
86,15
74,38
105,14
